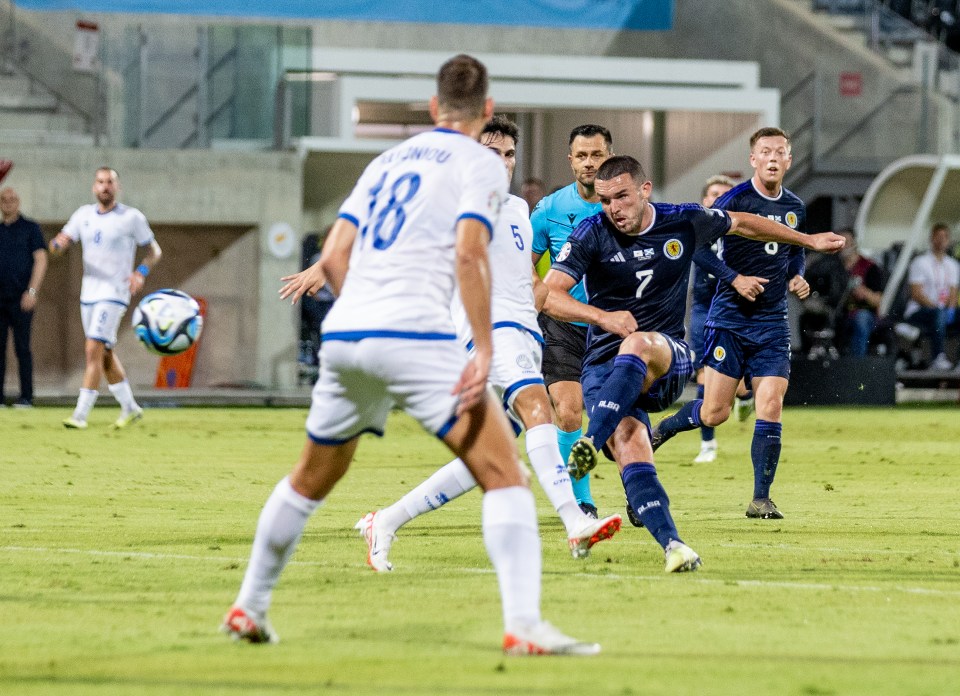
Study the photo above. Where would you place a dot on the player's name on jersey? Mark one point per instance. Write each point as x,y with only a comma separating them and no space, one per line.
423,154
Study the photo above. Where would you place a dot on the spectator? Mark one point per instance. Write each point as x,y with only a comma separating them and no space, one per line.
934,277
828,282
23,263
532,190
864,291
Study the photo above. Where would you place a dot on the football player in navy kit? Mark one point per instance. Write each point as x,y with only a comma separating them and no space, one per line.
636,258
754,337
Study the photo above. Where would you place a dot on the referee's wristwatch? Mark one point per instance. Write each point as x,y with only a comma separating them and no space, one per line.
32,292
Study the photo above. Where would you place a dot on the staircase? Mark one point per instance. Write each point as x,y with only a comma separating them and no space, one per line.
29,114
837,160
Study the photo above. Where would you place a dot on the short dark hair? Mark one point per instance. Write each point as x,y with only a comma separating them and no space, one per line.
622,164
504,126
462,85
768,132
939,226
105,168
588,130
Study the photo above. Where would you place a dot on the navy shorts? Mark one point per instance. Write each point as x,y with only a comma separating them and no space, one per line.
698,317
564,346
762,351
662,393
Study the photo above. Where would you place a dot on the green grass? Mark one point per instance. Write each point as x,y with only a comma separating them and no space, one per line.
120,552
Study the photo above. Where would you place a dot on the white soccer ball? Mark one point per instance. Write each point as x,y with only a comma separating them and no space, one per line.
167,322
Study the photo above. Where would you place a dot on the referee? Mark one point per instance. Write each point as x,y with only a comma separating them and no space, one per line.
23,263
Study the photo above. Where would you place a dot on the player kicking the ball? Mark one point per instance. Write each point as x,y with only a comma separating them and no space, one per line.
515,378
637,255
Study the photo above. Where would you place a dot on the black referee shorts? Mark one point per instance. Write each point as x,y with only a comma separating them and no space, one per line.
563,351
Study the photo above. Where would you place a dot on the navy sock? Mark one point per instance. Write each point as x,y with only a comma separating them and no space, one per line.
687,418
765,453
747,395
649,500
706,432
622,388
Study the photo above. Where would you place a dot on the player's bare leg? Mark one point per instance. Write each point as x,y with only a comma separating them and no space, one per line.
94,353
279,529
482,439
532,406
130,411
712,410
644,357
708,439
744,404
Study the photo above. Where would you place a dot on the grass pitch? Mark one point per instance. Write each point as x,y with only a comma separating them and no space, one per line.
120,552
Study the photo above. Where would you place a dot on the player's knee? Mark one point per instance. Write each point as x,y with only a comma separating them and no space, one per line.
647,345
569,416
712,416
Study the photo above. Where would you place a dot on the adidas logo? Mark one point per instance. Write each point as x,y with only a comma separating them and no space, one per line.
619,258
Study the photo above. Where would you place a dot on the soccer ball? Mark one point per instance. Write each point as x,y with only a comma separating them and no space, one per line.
167,322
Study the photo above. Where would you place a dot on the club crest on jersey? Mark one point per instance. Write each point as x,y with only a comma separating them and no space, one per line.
524,362
719,353
673,249
564,253
791,219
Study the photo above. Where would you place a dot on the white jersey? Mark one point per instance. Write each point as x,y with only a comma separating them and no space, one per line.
406,206
936,278
511,268
110,242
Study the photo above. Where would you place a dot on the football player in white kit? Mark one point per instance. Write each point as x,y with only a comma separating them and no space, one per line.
515,378
415,227
109,234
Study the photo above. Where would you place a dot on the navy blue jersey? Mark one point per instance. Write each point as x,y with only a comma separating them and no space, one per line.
644,274
748,257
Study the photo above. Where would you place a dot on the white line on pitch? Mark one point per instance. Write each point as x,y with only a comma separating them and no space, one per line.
593,576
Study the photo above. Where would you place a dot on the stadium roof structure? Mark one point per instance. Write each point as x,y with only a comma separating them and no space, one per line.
900,206
528,83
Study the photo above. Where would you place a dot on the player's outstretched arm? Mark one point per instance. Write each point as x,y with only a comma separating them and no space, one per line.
335,255
562,307
473,279
764,229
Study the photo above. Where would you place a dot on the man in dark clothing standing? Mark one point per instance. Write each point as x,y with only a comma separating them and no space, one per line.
23,263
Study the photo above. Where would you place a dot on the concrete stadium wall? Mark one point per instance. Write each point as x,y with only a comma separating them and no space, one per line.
211,212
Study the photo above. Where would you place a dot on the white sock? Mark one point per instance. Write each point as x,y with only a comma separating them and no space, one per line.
279,528
449,482
85,402
124,395
513,544
545,458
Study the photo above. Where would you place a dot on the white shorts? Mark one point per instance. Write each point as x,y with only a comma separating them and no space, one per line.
360,381
517,358
101,320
